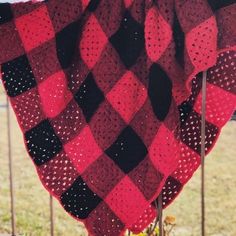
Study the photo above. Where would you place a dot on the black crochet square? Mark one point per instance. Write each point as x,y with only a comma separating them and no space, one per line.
128,40
79,200
18,76
89,96
5,13
128,150
66,44
42,143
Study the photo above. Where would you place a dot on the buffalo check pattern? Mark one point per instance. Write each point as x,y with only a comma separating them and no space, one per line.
108,97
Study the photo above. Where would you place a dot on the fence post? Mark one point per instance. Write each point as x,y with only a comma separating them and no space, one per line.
13,227
203,131
51,216
160,214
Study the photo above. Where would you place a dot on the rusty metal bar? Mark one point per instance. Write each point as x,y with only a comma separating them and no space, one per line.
13,226
160,215
51,216
203,132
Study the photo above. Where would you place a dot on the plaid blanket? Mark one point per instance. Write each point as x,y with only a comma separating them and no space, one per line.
108,98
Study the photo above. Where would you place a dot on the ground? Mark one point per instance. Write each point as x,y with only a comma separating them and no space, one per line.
32,200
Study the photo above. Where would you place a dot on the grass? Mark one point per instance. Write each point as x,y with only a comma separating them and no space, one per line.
32,200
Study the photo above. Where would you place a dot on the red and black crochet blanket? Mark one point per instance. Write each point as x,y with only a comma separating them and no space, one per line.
108,97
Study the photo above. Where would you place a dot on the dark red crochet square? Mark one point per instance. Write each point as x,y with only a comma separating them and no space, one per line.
120,200
102,175
103,221
106,124
147,178
191,132
23,8
83,149
171,188
35,28
145,123
108,70
10,42
28,109
69,122
43,60
58,174
63,13
54,94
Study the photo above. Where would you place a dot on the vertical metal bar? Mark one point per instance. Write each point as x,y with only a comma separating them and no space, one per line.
160,214
13,227
51,216
203,131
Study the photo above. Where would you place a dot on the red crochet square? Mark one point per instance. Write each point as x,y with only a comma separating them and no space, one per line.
219,103
83,150
164,150
54,94
188,162
10,42
127,96
92,42
147,178
122,203
27,107
69,122
58,174
35,28
102,175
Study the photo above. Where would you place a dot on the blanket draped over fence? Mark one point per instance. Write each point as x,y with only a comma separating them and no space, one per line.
108,98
